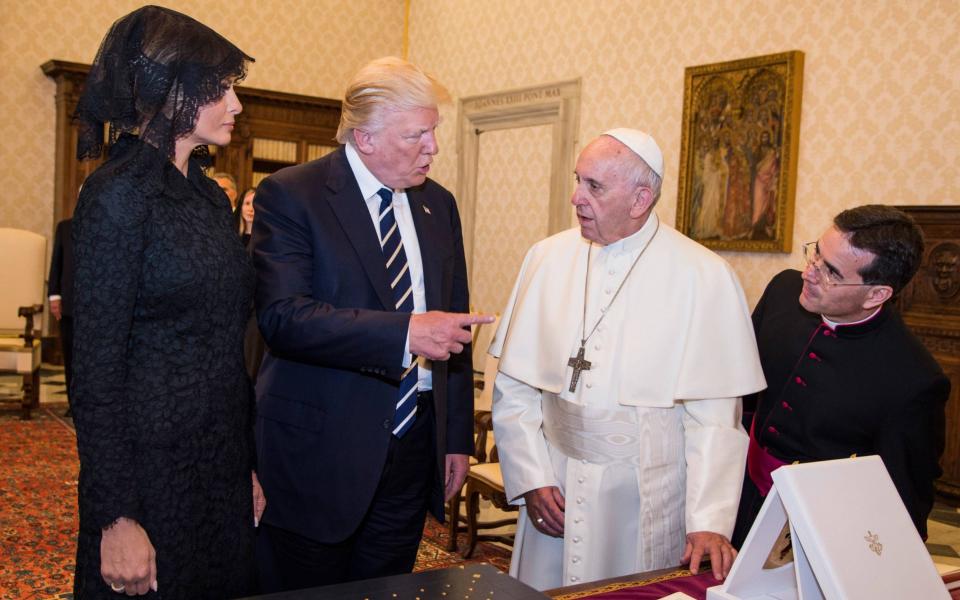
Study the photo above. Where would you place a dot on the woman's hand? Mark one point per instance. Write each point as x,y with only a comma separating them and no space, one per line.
259,500
128,562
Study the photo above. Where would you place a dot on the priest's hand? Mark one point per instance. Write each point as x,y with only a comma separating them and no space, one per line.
545,508
436,334
703,543
456,472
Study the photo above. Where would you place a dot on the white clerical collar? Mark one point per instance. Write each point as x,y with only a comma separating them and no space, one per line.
637,240
833,325
368,182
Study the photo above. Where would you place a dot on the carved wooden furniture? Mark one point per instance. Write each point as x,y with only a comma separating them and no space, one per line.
275,129
22,273
931,307
485,479
69,172
483,364
484,446
456,522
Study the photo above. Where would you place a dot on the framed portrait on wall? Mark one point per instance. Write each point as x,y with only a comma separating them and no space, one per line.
738,152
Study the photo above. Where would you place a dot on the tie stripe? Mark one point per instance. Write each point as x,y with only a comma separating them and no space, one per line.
398,271
394,283
404,399
405,424
389,234
406,295
392,258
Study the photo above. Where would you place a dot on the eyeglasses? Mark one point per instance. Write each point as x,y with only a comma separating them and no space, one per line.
811,253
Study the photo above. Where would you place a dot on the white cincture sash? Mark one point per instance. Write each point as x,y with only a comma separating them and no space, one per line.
598,435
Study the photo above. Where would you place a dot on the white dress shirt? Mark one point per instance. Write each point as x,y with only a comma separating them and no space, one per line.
369,186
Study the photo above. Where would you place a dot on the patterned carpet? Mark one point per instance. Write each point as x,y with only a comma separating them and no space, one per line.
38,490
38,518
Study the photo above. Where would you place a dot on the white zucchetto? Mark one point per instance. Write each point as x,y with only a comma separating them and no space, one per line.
642,144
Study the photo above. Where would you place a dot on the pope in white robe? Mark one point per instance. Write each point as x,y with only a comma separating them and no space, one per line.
636,462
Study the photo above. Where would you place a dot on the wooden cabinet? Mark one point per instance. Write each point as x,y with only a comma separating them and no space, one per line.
69,172
275,129
931,307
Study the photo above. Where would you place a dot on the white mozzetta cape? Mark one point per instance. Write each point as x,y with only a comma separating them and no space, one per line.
692,337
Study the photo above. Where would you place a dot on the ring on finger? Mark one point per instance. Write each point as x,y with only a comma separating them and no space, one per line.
117,587
540,520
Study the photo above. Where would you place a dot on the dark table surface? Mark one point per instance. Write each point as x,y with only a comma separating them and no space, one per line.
475,581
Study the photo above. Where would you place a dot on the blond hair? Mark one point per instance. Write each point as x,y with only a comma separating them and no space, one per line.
386,84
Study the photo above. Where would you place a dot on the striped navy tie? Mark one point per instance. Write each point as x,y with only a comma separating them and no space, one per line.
398,272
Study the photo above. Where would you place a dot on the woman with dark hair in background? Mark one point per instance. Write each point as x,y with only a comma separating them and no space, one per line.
253,345
163,291
244,215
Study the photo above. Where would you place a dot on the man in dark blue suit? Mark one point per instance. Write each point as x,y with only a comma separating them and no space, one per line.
60,290
365,403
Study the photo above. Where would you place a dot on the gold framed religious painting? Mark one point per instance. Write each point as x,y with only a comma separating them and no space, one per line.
738,152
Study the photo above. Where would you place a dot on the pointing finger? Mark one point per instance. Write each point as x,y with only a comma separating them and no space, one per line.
474,319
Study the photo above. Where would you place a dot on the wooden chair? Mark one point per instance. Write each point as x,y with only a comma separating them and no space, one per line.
457,523
483,446
485,479
21,297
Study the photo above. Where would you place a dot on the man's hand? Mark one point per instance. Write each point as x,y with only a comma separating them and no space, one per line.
454,475
128,562
436,335
700,543
56,308
545,508
259,500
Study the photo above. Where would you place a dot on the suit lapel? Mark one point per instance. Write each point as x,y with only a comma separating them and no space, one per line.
351,210
430,255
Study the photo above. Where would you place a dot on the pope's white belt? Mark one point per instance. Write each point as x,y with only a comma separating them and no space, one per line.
599,436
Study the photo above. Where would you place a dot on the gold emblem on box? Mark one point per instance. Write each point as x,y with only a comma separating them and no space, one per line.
873,540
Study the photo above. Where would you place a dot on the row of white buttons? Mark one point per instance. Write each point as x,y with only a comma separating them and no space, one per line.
577,520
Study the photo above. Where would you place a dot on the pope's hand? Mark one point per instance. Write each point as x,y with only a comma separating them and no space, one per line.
545,508
701,543
436,334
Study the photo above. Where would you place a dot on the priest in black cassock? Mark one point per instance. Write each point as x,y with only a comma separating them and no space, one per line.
845,374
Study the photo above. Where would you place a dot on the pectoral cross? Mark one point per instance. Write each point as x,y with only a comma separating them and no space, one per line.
579,365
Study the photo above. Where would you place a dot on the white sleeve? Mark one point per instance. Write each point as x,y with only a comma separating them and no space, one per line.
716,454
517,426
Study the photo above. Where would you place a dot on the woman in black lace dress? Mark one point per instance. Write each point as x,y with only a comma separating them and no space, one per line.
163,289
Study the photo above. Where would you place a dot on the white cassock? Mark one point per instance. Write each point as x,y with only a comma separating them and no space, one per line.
650,445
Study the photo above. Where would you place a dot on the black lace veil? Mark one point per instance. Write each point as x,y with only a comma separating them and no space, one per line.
154,70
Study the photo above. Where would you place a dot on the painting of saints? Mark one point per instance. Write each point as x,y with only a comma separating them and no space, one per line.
713,177
738,152
765,190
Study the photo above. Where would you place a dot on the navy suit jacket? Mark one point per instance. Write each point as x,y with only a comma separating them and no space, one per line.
328,385
60,279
